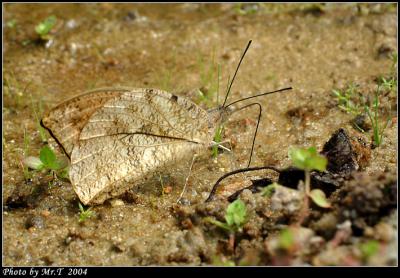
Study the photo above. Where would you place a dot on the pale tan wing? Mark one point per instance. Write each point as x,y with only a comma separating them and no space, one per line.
66,120
147,111
130,137
107,166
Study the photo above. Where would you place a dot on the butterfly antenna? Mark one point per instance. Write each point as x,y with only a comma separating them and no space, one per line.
258,123
237,69
259,114
259,95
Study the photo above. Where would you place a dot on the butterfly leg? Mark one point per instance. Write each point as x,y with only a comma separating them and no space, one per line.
187,178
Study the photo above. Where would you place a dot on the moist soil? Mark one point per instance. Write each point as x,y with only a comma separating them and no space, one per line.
178,47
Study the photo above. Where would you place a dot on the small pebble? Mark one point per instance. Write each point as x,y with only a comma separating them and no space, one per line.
184,202
35,221
116,203
45,213
167,189
71,24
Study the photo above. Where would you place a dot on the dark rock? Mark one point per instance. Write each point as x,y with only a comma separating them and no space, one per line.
344,156
340,154
131,16
326,181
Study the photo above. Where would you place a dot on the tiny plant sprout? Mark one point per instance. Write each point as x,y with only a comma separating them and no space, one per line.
308,160
286,239
11,23
84,213
235,217
48,160
319,198
369,249
347,100
43,28
373,116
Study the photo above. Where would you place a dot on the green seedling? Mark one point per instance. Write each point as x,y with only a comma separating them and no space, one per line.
387,84
308,160
11,23
207,77
84,213
369,249
44,28
286,239
235,217
375,123
48,161
347,100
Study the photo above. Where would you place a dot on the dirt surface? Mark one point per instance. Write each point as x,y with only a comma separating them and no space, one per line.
177,48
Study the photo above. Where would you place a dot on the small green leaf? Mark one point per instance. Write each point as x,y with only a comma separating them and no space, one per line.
236,214
369,248
50,161
84,214
308,159
33,163
12,23
44,27
47,156
319,198
286,239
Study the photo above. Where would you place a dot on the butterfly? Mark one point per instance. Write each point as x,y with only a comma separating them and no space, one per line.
117,138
